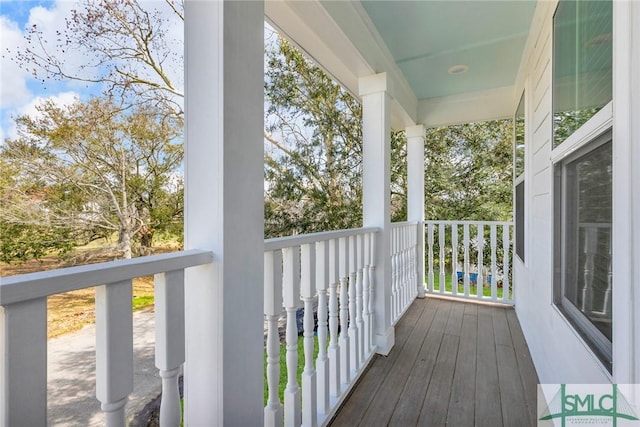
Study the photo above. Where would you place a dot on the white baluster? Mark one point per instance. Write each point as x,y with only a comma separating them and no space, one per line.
23,363
345,357
407,269
322,363
307,291
291,296
334,347
441,240
402,265
365,294
415,280
114,349
430,253
506,262
394,273
465,244
169,328
494,286
372,294
480,282
454,259
398,299
359,301
353,326
273,412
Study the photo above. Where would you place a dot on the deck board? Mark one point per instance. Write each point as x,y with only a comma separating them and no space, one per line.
355,407
454,363
464,379
488,411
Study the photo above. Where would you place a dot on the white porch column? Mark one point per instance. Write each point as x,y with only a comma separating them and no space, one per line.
415,192
376,135
224,212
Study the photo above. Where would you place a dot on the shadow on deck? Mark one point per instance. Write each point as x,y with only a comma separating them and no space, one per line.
454,363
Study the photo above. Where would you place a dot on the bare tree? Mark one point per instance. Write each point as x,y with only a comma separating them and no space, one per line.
127,49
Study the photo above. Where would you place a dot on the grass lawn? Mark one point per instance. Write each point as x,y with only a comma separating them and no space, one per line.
283,367
473,289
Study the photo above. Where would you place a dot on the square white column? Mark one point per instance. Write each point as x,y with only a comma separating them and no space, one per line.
224,212
376,193
415,192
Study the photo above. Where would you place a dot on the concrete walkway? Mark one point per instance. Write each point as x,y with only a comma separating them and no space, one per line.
71,374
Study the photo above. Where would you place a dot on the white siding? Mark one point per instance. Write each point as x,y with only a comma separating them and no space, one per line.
559,354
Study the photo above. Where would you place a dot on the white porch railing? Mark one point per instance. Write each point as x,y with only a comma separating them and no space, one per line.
404,273
23,334
465,265
335,269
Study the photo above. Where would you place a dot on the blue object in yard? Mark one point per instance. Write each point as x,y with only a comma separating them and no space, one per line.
473,277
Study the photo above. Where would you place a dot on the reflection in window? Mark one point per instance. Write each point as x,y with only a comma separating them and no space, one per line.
518,157
582,63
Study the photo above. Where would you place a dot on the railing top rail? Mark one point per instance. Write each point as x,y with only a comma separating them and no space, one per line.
449,222
25,287
302,239
403,223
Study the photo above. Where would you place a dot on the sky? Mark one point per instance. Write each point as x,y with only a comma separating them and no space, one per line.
20,92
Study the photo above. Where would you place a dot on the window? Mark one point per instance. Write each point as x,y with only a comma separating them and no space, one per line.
582,86
520,220
582,57
583,240
518,173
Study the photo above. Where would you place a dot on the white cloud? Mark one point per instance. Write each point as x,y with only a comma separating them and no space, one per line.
13,80
20,91
17,85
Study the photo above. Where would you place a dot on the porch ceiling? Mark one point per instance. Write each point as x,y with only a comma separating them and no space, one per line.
416,43
427,38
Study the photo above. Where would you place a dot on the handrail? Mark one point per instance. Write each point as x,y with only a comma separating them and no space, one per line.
403,223
468,222
30,286
303,239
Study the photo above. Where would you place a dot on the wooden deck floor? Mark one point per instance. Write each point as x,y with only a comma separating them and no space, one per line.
454,363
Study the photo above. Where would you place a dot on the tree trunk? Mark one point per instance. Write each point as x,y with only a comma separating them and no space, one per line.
125,243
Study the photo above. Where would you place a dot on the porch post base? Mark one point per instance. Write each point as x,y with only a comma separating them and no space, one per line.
385,342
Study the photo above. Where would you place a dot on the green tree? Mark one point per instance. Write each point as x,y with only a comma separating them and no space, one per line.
93,168
24,239
313,147
468,173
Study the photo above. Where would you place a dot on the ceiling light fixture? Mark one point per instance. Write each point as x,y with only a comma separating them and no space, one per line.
458,69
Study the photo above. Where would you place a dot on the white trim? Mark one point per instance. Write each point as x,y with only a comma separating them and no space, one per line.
626,196
374,83
599,123
596,361
465,108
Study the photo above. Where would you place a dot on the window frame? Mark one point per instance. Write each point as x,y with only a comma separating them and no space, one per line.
519,180
580,142
593,337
